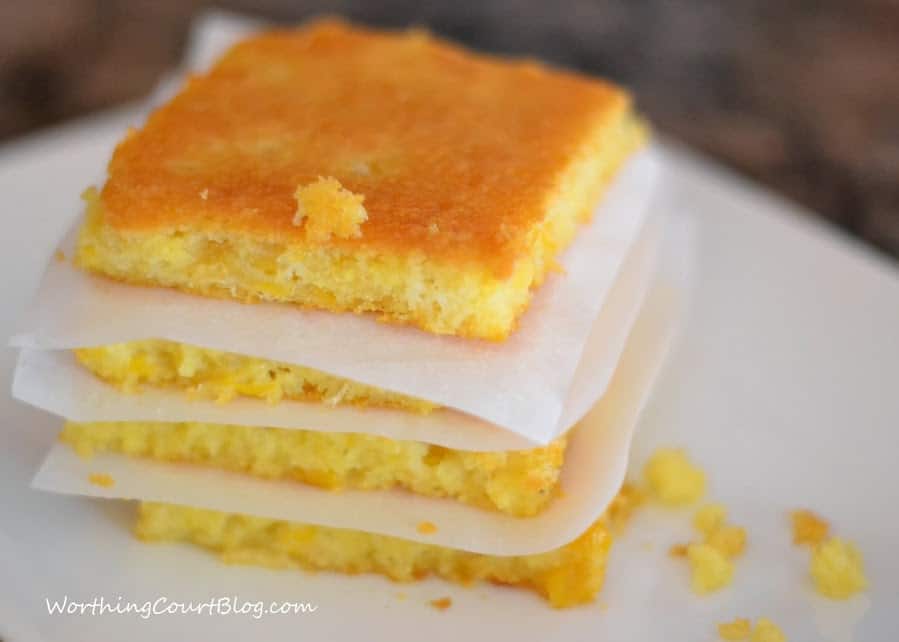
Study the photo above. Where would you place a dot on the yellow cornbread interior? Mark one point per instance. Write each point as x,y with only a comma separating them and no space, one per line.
224,375
519,483
440,296
567,576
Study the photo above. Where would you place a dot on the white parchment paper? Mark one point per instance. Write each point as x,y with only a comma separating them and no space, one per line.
594,468
521,384
53,380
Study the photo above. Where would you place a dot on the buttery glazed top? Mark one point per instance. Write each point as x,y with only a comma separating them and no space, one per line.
455,153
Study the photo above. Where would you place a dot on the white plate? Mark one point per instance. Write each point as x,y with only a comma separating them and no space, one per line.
783,387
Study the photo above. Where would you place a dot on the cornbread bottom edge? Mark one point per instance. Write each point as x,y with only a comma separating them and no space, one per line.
568,576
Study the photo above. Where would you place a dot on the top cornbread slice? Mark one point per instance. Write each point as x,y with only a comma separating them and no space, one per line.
473,171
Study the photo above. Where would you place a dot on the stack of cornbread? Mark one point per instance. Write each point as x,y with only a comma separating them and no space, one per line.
332,170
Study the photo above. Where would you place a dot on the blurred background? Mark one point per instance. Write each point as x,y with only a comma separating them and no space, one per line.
802,95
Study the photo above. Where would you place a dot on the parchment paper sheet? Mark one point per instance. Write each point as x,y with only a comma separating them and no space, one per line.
594,468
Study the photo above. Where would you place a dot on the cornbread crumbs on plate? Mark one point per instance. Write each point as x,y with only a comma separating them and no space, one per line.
426,528
441,604
808,528
60,256
741,629
329,209
709,518
711,563
767,631
837,569
672,479
738,629
710,569
103,480
678,550
729,539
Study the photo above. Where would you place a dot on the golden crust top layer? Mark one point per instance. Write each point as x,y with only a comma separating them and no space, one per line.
456,154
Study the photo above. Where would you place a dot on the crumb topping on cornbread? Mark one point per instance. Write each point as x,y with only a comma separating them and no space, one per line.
328,209
431,134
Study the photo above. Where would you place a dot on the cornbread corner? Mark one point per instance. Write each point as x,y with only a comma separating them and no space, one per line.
474,171
519,483
567,576
213,374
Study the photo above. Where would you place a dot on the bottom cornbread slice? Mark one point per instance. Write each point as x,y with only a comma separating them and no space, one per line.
566,576
518,482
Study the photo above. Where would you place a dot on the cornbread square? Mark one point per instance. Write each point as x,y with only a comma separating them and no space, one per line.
207,373
520,482
570,575
347,169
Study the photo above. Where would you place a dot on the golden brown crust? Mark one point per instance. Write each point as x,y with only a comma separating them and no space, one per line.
456,154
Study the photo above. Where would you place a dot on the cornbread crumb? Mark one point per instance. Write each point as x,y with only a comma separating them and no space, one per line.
709,518
710,568
678,550
101,479
739,629
767,631
329,209
400,596
808,528
730,540
837,569
59,255
426,528
672,479
442,604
